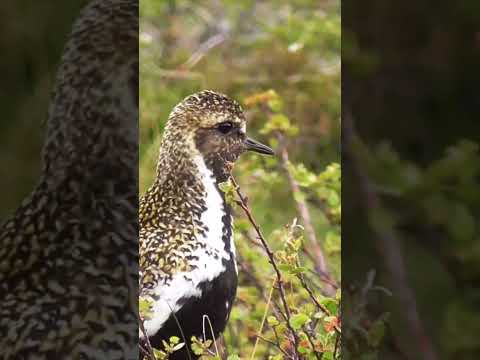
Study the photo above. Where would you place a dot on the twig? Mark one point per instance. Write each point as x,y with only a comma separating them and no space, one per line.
276,335
250,276
204,48
315,271
335,351
387,245
222,348
276,345
149,347
234,335
205,317
310,340
181,331
317,303
263,321
244,206
320,263
175,74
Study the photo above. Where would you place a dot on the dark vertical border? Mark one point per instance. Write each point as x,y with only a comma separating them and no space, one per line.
69,230
410,179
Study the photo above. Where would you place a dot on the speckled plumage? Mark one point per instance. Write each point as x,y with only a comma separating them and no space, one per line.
69,254
187,254
170,210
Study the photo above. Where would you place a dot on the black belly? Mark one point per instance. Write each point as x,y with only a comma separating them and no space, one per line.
213,303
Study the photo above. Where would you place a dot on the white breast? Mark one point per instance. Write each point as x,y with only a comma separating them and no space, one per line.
212,217
207,267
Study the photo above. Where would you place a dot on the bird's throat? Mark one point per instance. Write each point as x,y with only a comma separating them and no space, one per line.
217,216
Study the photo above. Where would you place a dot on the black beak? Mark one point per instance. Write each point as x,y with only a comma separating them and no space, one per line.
254,145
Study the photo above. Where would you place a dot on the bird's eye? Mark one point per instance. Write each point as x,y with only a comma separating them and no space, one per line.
225,127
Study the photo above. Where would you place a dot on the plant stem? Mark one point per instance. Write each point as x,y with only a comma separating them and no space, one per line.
245,208
252,357
319,257
387,244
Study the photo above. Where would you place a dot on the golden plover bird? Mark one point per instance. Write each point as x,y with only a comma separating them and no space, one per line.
69,254
188,270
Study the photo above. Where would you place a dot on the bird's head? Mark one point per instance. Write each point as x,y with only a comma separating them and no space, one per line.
214,126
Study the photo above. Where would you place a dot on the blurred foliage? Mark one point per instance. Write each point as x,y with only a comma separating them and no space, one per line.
410,78
444,195
32,36
244,49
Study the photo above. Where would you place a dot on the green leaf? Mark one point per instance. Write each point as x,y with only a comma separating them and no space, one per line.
229,190
333,199
279,122
328,355
145,308
197,349
160,355
286,267
178,346
298,270
332,242
174,340
276,357
302,175
298,320
272,321
197,346
303,349
276,104
330,304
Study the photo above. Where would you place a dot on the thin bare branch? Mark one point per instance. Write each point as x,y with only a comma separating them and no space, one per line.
271,257
148,347
252,357
276,345
203,50
317,303
318,355
302,208
388,246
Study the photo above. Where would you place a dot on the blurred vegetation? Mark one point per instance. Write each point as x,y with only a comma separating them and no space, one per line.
281,60
32,37
411,79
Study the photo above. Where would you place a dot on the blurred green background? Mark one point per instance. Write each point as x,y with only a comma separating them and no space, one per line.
32,36
411,75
